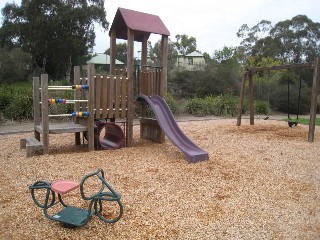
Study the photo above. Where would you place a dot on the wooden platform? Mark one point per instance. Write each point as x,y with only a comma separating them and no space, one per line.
63,128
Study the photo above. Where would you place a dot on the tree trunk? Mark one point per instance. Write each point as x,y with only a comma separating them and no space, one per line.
68,69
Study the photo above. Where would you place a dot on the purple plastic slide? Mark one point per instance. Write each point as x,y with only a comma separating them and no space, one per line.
168,124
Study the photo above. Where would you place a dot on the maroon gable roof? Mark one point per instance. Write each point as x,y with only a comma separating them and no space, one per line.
141,23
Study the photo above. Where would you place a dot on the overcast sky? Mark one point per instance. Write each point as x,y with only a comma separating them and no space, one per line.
213,23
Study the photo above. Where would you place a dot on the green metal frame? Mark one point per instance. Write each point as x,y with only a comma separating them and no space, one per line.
77,217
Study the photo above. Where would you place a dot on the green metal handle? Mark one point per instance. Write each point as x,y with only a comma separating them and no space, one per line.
99,208
42,185
100,174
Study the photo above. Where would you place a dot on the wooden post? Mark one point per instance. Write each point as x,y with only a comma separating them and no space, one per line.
143,75
90,120
144,53
251,98
242,93
45,113
76,81
36,106
164,65
314,95
113,49
130,49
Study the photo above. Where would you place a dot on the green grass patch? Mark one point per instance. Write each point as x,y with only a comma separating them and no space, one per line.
305,121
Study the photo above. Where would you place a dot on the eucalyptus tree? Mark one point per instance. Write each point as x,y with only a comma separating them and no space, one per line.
185,44
56,32
293,41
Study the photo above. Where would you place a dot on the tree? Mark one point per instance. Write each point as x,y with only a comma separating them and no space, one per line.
14,65
121,53
296,40
55,32
154,54
185,44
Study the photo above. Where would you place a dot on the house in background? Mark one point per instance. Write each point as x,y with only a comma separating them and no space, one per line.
102,63
191,62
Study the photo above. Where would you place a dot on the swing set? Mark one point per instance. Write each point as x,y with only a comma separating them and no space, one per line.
249,73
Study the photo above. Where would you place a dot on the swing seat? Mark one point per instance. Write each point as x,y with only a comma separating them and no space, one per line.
292,124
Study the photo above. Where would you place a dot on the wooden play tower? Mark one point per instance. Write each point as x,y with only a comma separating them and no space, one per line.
111,98
136,26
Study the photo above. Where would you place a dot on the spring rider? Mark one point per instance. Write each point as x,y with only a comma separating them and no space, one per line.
71,216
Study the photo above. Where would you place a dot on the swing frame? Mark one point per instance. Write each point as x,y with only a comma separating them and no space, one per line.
250,71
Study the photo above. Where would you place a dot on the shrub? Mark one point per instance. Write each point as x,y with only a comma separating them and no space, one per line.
224,105
262,107
197,107
172,103
16,101
5,100
19,109
211,101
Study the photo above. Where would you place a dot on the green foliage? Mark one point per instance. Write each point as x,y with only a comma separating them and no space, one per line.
16,101
121,53
185,44
56,33
306,121
223,105
20,108
14,65
279,99
197,107
172,103
261,107
295,40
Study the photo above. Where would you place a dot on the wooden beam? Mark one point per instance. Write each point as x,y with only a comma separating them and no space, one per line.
36,106
113,49
76,80
251,99
144,53
242,93
286,66
90,119
45,113
164,65
130,49
314,96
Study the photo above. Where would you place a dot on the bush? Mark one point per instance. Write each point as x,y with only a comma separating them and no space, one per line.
16,101
14,65
223,105
212,103
5,100
197,107
19,109
262,107
172,103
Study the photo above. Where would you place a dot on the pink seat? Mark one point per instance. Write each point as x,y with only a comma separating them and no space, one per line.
64,186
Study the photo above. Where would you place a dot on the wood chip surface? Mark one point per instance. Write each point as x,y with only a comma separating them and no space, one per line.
260,182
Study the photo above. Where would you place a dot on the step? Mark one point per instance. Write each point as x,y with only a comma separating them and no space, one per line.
32,146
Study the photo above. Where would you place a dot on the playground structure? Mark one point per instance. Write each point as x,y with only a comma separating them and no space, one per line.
250,71
71,216
108,102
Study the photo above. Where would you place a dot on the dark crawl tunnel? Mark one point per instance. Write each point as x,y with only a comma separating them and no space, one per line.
108,135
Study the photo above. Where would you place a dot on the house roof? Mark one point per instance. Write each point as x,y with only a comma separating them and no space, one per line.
103,59
194,54
142,23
